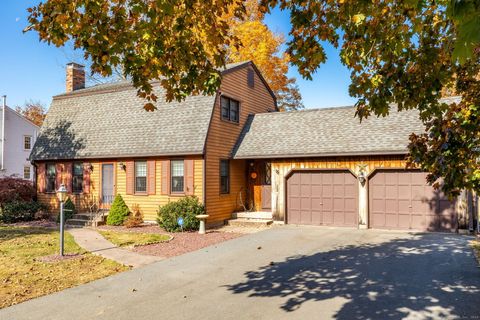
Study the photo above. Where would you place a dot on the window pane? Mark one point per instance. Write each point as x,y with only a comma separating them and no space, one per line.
224,176
140,168
177,168
27,143
225,108
50,169
140,176
77,169
234,110
26,172
141,184
177,175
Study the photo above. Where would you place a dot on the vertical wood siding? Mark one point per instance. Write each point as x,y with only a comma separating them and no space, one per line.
148,203
222,137
281,168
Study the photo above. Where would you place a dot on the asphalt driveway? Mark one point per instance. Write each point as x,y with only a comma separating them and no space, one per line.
286,272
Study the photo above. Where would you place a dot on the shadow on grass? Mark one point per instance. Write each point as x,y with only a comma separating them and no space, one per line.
429,276
10,232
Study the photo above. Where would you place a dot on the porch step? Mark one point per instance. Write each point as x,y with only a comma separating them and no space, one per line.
251,223
80,220
253,215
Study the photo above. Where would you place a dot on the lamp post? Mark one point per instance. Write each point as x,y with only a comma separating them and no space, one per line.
62,195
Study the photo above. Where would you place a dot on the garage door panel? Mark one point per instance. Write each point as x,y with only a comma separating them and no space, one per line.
404,192
391,192
327,198
408,202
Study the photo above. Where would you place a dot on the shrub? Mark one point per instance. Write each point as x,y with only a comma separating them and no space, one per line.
20,210
13,188
118,212
187,208
70,210
135,218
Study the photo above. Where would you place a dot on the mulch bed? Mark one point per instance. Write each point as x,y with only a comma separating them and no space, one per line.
181,243
57,258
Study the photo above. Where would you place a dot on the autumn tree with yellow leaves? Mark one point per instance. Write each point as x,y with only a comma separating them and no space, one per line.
263,46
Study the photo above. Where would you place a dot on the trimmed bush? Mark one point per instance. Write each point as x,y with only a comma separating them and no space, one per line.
70,210
118,212
135,218
19,210
187,208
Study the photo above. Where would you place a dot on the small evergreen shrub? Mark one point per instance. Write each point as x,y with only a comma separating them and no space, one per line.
118,212
135,218
187,208
19,210
69,210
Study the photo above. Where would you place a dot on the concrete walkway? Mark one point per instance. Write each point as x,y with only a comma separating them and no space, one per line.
92,241
285,273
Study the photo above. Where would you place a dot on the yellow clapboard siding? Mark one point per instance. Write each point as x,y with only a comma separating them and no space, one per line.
148,204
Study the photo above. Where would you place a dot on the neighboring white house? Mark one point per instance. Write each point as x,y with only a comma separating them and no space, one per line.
17,137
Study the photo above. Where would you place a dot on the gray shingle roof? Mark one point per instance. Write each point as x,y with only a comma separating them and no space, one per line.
113,123
325,132
108,120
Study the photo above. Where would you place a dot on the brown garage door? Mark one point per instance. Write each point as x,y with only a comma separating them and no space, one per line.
400,199
327,198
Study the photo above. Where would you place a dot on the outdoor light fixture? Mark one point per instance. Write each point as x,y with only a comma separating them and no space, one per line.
62,193
62,196
89,167
122,166
361,177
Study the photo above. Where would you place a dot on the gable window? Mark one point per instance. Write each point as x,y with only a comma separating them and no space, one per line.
27,173
251,78
177,177
51,177
224,176
77,177
140,176
230,109
27,142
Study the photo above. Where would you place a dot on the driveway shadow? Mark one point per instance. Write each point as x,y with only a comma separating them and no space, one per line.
427,276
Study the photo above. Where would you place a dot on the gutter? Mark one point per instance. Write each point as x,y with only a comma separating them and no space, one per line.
321,155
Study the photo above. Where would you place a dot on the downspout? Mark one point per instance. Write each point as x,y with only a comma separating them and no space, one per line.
3,130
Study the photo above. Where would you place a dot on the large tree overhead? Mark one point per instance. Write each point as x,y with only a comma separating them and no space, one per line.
34,111
182,43
402,55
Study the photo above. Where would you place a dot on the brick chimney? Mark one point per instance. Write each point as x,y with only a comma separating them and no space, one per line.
75,76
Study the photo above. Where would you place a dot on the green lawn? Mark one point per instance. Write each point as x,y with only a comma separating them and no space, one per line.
23,277
125,239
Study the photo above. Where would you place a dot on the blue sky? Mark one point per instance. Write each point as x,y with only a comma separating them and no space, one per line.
30,70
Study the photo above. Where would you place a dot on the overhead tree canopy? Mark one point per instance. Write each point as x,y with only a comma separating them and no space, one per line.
402,54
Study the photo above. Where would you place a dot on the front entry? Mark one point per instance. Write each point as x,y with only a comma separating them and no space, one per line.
328,198
267,187
107,184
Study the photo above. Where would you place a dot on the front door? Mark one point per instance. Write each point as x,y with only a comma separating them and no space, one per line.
267,187
107,183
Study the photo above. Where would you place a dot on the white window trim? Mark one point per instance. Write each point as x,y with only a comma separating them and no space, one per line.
31,142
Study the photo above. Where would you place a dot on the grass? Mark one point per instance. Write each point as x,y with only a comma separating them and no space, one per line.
124,239
23,277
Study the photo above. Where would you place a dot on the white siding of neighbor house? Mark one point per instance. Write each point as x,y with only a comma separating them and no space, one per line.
16,157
